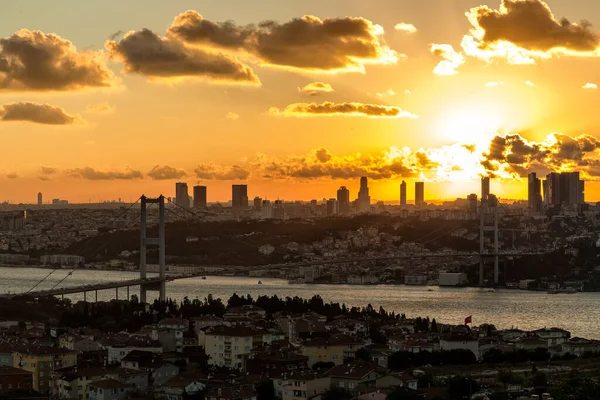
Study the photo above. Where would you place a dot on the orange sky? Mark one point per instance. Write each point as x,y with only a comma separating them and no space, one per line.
107,101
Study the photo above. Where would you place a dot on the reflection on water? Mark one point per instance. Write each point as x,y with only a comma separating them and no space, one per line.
579,313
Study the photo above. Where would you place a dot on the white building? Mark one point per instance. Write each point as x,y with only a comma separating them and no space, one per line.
452,279
226,346
460,343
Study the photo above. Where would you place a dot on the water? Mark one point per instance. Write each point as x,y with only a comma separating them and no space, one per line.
578,313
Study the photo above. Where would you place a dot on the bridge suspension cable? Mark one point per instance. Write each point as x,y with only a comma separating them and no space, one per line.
123,213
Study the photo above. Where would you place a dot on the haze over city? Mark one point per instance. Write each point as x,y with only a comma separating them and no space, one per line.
104,104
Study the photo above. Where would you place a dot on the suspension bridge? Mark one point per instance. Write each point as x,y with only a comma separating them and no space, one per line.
158,283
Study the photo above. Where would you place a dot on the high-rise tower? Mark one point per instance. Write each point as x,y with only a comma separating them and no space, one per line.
403,194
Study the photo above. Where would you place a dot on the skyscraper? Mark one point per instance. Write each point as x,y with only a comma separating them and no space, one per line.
534,192
239,197
40,202
363,203
419,194
485,188
343,198
403,194
564,189
200,197
332,207
182,197
257,203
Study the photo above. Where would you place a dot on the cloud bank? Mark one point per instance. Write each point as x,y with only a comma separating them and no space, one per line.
344,109
37,113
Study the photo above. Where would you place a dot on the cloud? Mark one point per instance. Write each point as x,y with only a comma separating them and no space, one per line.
494,84
323,155
529,83
404,27
522,30
316,88
37,113
389,92
308,43
451,59
12,175
512,155
100,108
165,172
146,53
213,172
48,170
35,61
590,86
348,109
232,116
93,174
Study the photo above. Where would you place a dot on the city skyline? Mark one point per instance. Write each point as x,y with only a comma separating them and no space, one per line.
432,96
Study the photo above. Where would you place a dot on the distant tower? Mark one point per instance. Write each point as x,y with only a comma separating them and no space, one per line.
200,197
485,188
419,194
40,199
534,193
182,196
239,197
364,200
343,199
403,194
332,207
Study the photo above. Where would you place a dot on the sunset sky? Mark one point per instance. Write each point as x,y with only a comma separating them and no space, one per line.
101,100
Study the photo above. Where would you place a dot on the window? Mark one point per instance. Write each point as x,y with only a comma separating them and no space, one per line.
341,384
335,357
351,385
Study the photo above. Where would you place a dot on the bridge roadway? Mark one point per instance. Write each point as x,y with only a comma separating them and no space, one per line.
154,281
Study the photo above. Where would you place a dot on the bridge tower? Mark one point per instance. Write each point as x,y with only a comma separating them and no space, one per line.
146,241
489,207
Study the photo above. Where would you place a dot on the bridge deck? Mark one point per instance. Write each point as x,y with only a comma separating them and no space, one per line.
153,281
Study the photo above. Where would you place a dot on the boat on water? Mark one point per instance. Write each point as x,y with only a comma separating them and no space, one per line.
259,282
430,290
203,277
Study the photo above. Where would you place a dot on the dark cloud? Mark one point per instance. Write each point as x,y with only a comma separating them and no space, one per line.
530,25
350,109
34,112
48,170
12,175
212,172
323,155
307,43
146,53
93,174
165,172
517,156
35,61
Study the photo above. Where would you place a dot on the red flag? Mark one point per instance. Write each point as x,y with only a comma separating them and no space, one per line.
469,320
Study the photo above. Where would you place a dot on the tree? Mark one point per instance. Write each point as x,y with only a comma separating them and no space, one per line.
539,379
322,365
461,387
337,394
434,327
500,396
363,354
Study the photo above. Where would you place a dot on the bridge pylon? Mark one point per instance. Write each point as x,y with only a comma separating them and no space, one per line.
488,204
146,241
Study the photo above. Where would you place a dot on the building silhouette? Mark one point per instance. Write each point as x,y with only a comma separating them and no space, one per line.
343,199
403,194
40,199
182,196
239,197
534,192
200,197
485,188
332,207
472,203
564,188
419,194
257,203
363,203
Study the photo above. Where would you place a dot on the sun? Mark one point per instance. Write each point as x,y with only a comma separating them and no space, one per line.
473,122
